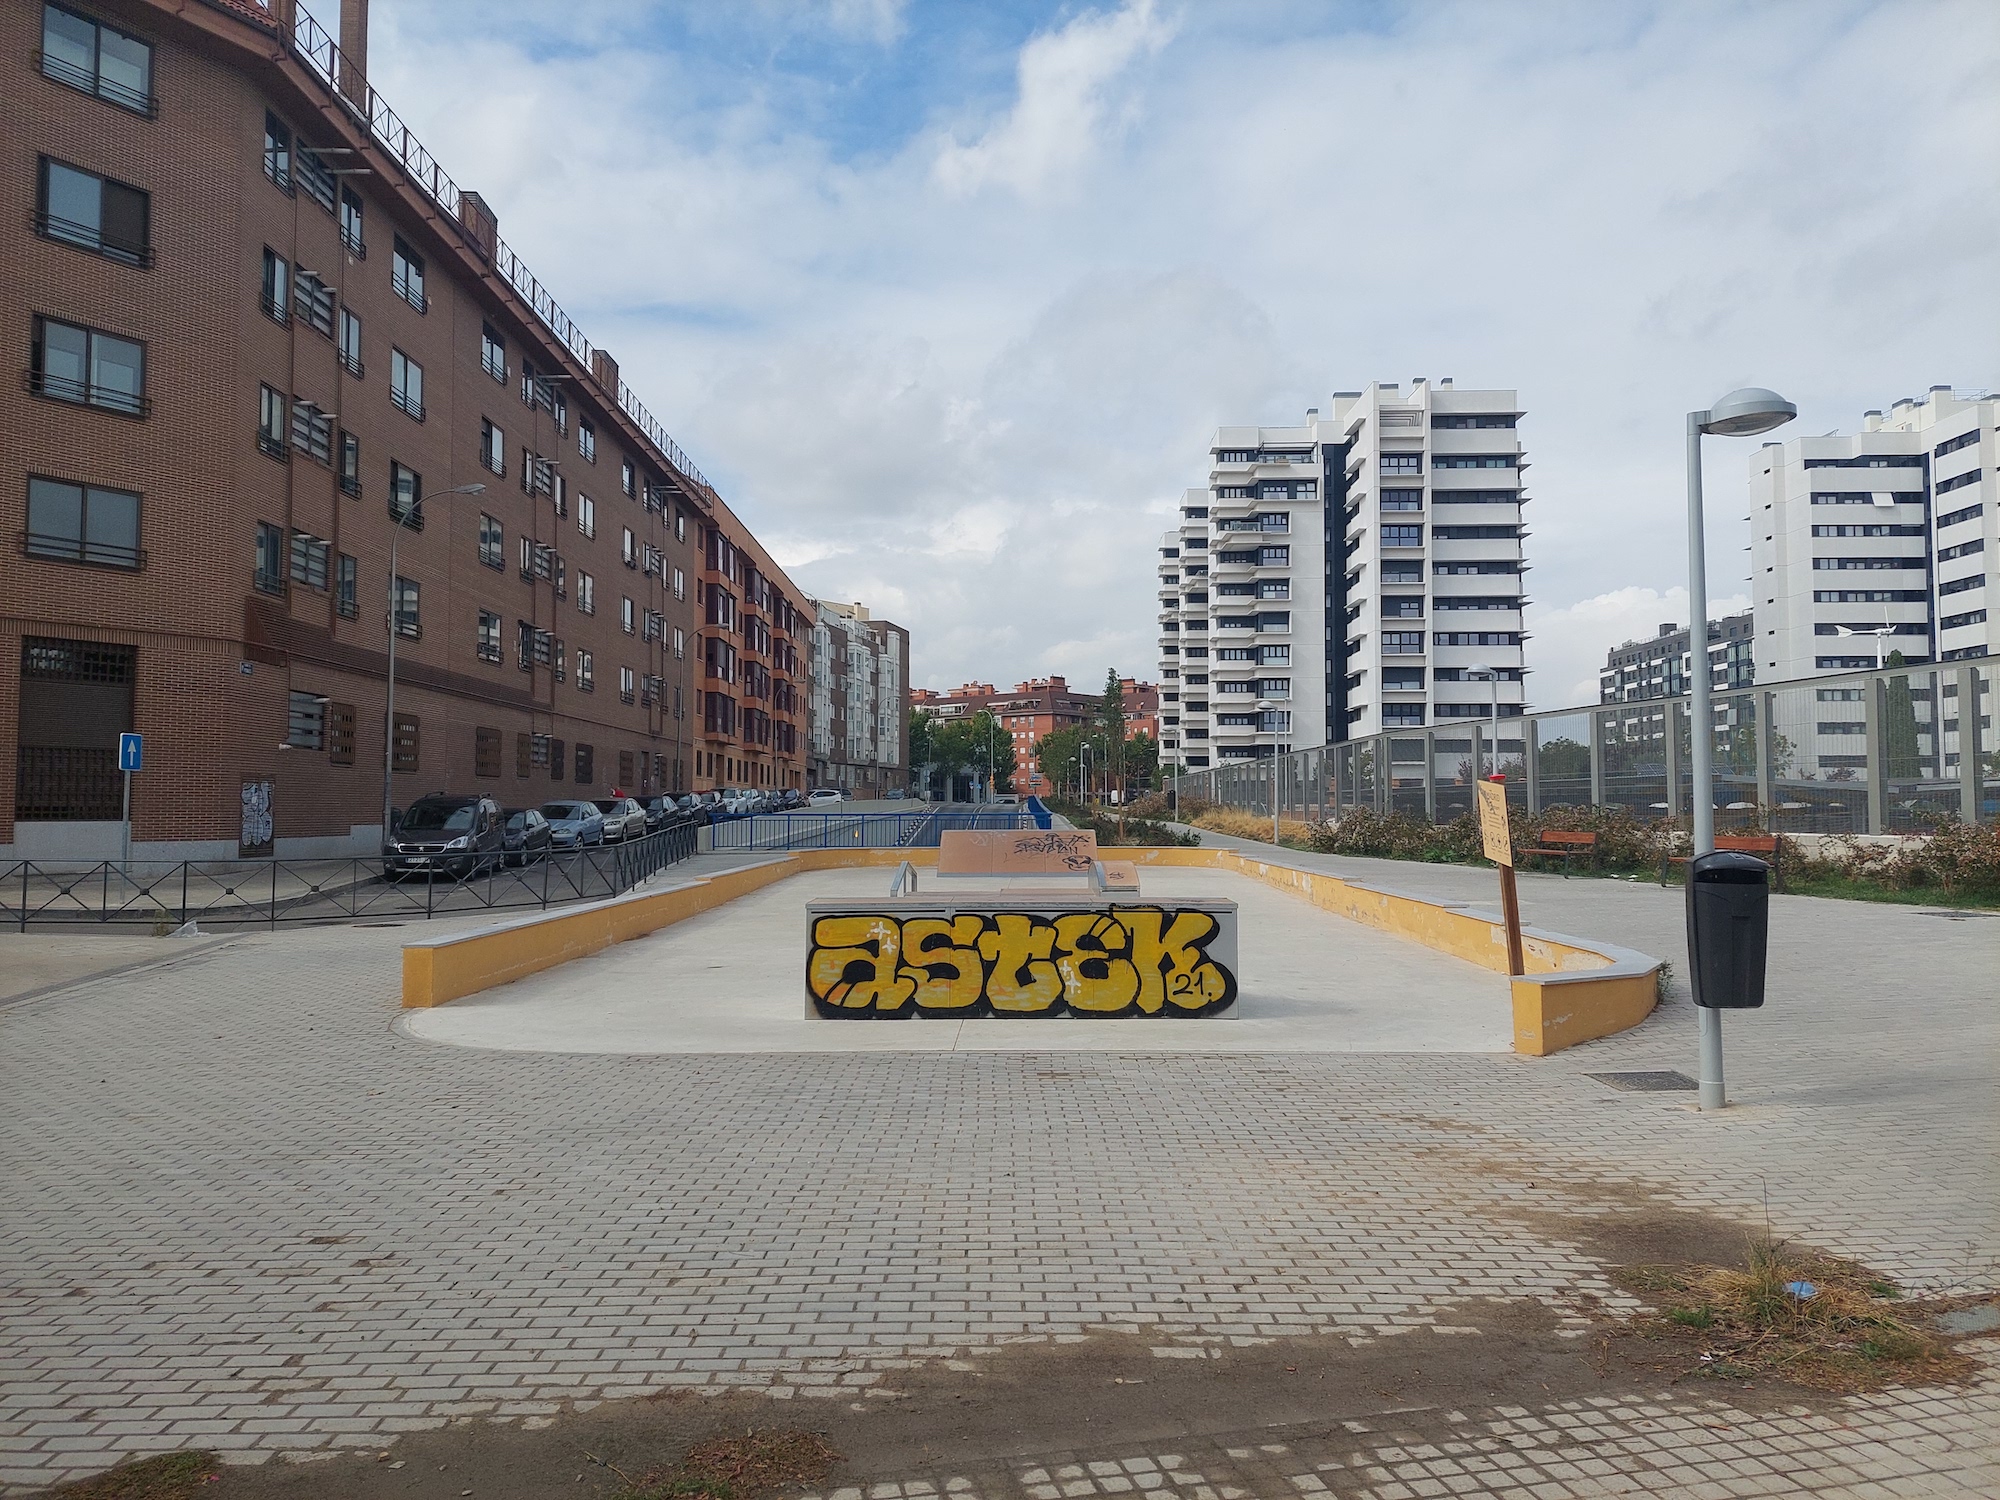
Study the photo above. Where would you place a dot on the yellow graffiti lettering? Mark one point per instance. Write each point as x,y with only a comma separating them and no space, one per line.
1020,979
1097,976
942,959
1174,968
853,964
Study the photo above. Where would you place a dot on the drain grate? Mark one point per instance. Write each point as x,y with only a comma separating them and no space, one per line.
1647,1083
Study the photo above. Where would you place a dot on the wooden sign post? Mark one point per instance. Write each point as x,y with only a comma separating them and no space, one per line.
1499,848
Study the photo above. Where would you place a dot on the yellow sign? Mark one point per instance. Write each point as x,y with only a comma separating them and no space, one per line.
1493,822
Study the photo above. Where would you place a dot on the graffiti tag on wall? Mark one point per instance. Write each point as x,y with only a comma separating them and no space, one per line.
1128,961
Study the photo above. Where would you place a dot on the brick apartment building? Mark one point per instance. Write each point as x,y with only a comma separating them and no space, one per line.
1142,708
860,711
1037,707
265,339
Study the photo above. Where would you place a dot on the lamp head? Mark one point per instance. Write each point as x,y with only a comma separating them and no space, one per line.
1483,673
1747,412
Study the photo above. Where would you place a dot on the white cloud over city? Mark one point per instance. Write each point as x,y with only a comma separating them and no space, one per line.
958,362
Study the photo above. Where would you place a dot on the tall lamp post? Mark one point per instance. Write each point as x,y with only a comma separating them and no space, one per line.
1489,675
389,701
1744,413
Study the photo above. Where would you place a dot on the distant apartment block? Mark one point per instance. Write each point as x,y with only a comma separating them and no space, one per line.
1661,667
860,712
1037,707
1360,572
1890,528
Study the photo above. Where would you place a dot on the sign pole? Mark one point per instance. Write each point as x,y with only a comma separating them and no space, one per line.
125,852
131,757
1499,847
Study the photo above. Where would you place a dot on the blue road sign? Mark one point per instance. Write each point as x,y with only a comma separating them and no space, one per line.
129,751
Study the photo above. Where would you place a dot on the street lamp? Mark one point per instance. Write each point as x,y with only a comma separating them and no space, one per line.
1744,413
389,699
1492,675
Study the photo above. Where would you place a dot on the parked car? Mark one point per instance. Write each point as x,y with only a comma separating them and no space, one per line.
661,810
735,801
439,833
790,798
694,806
573,824
894,794
823,796
624,818
526,837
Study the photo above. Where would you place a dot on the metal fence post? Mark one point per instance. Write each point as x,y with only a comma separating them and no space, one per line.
1671,722
1531,761
1767,795
1596,739
1969,788
1878,785
1430,776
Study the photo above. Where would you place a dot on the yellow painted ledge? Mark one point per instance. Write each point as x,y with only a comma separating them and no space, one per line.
1575,990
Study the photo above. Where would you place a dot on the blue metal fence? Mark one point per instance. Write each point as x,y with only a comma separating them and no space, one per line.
834,830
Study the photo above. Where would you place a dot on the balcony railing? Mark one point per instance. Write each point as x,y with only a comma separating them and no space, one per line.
85,393
95,83
90,237
81,550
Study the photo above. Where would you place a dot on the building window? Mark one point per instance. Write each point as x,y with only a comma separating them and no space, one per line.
680,526
274,420
347,586
628,616
350,464
408,742
72,363
340,734
586,672
559,409
492,352
277,151
309,561
270,574
97,59
558,492
586,765
492,542
94,213
630,549
350,344
306,726
275,296
1402,463
1402,536
82,523
627,685
586,440
488,648
406,275
1474,461
406,384
351,223
406,496
586,514
409,614
680,584
626,478
492,447
312,432
680,643
313,299
586,593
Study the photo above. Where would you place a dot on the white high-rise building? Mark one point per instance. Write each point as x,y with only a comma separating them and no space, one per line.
1892,527
1357,573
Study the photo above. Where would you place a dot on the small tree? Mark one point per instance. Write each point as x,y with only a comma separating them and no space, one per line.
1902,760
1111,725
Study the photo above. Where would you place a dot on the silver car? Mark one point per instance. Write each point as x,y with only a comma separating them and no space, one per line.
624,818
573,824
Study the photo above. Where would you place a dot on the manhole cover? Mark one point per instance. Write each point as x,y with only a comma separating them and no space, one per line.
1647,1083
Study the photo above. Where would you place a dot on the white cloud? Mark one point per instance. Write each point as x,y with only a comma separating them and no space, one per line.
963,372
1064,86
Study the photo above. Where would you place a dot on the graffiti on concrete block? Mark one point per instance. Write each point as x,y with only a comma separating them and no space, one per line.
1127,961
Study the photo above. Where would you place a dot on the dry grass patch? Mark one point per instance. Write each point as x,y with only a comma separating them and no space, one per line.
164,1476
1795,1315
740,1467
1238,824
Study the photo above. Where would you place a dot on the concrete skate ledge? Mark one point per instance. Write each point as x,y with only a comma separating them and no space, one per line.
1576,989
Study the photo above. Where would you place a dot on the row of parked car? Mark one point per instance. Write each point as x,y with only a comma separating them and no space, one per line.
463,835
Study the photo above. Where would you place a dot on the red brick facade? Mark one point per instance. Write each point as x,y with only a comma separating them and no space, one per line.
588,692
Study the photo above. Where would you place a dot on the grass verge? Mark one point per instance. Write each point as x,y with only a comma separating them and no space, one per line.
164,1476
1795,1315
739,1467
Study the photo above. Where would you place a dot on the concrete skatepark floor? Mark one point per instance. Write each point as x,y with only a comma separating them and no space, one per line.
732,980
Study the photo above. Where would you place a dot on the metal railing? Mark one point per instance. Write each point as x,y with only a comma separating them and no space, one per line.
1894,750
267,892
800,830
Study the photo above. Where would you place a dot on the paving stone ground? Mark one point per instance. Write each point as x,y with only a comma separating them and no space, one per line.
242,1213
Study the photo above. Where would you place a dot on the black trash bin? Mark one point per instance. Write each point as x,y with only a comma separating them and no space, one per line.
1728,929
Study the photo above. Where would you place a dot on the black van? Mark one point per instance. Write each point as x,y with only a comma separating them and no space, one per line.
458,836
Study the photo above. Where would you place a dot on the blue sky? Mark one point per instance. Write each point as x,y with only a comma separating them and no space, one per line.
947,298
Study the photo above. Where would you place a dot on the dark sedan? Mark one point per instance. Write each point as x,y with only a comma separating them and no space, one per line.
527,836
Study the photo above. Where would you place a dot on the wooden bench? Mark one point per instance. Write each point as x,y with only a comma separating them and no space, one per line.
1566,847
1766,846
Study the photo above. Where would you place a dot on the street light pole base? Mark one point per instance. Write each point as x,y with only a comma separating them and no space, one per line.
1711,1095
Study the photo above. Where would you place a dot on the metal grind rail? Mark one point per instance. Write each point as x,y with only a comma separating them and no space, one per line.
268,892
775,832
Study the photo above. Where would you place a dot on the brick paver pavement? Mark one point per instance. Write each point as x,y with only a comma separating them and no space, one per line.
243,1213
